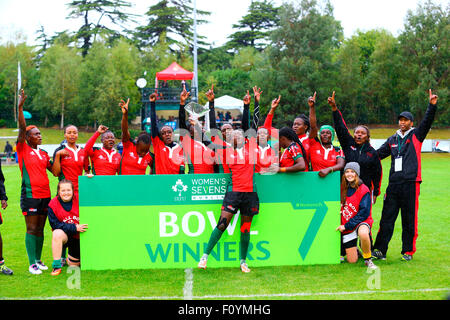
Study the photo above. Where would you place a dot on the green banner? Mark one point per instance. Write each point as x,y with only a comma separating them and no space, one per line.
165,221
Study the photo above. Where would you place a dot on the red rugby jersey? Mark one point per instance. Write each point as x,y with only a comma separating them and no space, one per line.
201,158
131,163
290,154
267,156
71,217
72,166
351,207
168,160
322,158
104,162
242,164
221,154
33,165
304,139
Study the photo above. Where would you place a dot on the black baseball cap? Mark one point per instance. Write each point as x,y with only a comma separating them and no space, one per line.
406,114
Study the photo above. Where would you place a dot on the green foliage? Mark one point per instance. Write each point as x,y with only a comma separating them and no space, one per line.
171,21
254,27
92,13
10,55
58,82
292,51
300,61
425,56
233,82
108,75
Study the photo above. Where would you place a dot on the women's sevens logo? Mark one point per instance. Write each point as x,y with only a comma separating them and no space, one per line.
179,187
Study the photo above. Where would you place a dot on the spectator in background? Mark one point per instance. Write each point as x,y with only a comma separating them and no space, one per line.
15,152
8,150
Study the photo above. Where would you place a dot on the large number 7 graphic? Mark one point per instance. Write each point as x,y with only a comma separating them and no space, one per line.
314,226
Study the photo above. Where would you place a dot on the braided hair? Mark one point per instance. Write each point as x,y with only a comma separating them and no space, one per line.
290,134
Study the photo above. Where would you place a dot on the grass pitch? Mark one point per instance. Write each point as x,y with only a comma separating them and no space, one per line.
425,278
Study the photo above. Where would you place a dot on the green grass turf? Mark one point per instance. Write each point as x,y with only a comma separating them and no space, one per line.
426,277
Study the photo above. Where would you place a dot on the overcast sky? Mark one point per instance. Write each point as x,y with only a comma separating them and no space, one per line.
27,16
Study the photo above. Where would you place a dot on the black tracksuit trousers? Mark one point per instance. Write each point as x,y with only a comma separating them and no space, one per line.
402,197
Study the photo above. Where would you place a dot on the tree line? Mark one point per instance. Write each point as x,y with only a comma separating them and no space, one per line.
293,50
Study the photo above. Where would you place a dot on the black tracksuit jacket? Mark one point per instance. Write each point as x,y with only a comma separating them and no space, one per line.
365,155
408,147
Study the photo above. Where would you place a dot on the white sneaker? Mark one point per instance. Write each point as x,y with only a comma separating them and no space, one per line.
202,263
34,269
41,265
245,268
369,264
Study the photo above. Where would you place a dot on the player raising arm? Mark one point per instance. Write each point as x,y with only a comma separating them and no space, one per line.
35,194
135,157
325,158
169,158
105,160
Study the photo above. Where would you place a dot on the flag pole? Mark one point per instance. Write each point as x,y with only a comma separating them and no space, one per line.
195,52
17,94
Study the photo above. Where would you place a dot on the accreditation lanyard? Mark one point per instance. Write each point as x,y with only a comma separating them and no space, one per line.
398,164
360,150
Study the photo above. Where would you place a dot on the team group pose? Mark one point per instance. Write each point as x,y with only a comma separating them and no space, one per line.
241,152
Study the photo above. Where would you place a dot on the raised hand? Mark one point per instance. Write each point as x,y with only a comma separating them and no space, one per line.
102,129
275,102
247,98
124,106
184,95
22,98
332,101
153,96
257,92
312,100
210,94
433,98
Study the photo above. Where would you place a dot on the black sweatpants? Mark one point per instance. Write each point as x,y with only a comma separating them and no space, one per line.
403,197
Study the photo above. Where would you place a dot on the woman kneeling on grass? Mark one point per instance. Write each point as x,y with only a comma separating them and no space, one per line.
63,215
356,218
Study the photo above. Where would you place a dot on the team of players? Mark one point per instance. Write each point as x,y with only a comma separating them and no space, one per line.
241,152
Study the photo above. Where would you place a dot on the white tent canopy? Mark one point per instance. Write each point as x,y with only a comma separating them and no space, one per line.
228,103
225,103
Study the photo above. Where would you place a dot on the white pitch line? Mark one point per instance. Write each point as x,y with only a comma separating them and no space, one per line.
188,284
297,294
